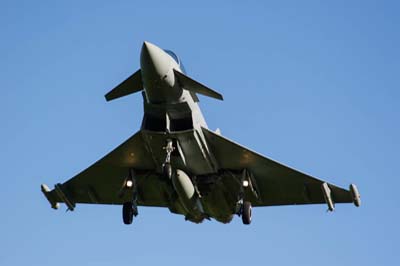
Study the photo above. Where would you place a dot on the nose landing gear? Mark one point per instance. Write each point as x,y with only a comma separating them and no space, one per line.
167,168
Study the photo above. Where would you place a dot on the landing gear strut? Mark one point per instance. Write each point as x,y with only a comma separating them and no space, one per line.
248,185
129,208
167,168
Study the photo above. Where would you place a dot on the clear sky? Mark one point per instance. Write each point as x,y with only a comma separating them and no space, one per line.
312,84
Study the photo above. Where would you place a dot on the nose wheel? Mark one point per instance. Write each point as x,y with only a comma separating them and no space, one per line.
246,212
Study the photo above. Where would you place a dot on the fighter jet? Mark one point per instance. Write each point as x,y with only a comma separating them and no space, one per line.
175,161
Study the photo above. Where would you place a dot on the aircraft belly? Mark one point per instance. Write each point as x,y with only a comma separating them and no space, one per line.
217,207
189,155
220,200
151,191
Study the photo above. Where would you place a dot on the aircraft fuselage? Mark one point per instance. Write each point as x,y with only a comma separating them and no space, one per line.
171,113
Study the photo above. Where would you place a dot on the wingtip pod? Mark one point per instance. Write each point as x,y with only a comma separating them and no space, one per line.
355,195
46,192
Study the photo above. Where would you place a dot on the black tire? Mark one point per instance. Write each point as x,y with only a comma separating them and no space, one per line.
246,212
127,212
167,170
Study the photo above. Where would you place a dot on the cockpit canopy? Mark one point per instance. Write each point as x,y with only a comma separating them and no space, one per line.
177,60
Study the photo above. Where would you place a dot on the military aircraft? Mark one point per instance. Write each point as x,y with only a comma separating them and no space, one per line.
175,161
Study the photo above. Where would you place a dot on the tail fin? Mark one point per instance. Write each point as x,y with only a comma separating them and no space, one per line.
130,85
194,86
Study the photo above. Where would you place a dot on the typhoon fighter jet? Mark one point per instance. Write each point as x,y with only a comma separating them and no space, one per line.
175,161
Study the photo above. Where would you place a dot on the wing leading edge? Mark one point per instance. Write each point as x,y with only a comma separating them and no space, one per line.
277,184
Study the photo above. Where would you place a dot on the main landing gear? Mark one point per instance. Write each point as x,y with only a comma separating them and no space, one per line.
248,186
128,212
129,208
246,212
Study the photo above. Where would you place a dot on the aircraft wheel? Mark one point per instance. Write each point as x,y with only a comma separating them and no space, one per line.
246,212
167,170
127,212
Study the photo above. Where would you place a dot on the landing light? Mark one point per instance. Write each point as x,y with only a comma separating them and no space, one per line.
129,183
245,183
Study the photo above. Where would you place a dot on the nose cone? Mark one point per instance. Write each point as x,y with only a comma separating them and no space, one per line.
153,60
158,75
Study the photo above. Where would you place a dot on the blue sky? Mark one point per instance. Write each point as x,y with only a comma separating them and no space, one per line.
313,85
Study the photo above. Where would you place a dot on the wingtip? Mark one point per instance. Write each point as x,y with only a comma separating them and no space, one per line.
46,192
44,188
219,96
355,194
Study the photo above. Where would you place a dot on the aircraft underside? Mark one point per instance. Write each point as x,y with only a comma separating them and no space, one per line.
174,161
186,179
